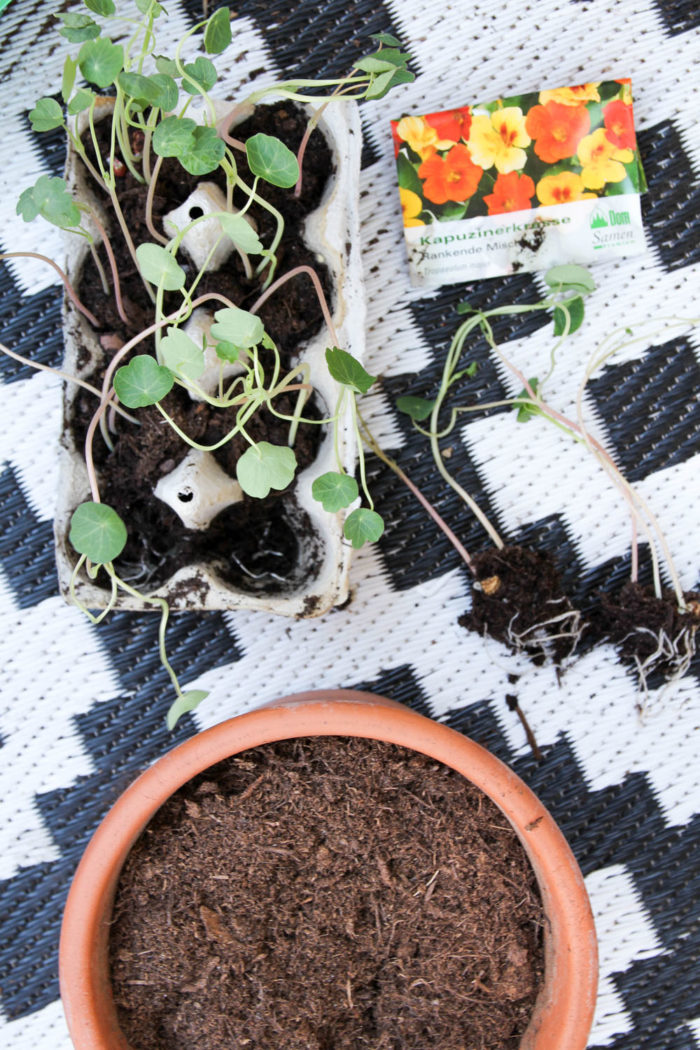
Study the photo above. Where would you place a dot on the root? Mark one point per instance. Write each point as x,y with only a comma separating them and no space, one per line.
539,641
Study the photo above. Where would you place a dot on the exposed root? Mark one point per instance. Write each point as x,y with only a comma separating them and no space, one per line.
543,641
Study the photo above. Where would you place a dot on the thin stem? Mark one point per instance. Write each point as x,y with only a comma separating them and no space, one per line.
149,203
66,282
112,265
317,287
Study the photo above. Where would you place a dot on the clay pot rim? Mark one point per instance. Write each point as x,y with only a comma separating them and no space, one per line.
564,1011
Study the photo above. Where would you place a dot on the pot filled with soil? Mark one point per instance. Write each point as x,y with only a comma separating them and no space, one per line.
333,870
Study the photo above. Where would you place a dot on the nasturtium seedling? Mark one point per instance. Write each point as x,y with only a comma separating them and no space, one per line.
568,315
271,160
226,351
363,526
46,115
217,35
570,278
528,411
335,491
347,370
165,91
173,136
101,61
241,233
159,267
49,197
418,408
97,531
81,100
239,327
78,28
142,382
263,467
203,71
137,86
182,355
185,702
204,152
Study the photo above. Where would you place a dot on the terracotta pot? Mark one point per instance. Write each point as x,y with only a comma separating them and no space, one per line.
564,1009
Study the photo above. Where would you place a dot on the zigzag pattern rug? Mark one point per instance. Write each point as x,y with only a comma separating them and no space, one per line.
83,708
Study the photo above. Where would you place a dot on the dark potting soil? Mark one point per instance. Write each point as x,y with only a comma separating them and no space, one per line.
253,545
327,894
518,600
650,632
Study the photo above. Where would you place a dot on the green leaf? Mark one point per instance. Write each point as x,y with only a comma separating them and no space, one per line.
182,355
238,327
159,267
203,71
46,115
101,7
263,467
453,210
81,100
399,76
241,233
166,93
471,370
101,61
167,66
205,152
530,410
418,408
570,278
173,136
385,38
380,85
145,6
363,526
135,85
142,382
184,703
77,28
568,313
271,160
335,491
217,35
374,64
70,68
98,532
408,175
49,197
226,351
347,370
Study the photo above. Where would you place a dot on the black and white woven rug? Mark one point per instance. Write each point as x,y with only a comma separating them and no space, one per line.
83,708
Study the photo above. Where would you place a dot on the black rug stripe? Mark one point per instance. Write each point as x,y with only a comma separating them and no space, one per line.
30,325
26,545
651,408
678,16
399,684
51,145
671,206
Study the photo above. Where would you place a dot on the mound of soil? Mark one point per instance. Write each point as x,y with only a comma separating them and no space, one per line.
650,632
517,599
327,894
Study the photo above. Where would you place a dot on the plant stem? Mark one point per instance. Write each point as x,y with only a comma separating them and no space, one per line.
317,287
66,282
112,265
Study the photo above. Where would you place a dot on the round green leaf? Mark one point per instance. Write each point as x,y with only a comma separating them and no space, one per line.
347,370
101,61
363,526
77,28
135,85
46,115
165,91
184,703
271,160
101,7
263,467
203,71
237,326
335,491
570,277
173,136
142,382
81,100
204,152
241,233
417,408
226,351
182,355
98,532
160,267
217,35
49,198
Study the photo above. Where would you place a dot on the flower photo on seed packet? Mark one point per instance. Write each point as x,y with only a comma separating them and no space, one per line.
543,148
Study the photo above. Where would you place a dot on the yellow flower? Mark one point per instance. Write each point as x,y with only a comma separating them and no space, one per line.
498,140
562,189
601,160
572,96
421,137
412,206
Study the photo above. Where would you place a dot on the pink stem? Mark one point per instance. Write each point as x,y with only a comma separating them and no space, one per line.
222,129
112,266
317,287
66,283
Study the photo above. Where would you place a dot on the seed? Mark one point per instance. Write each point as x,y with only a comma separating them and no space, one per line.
491,584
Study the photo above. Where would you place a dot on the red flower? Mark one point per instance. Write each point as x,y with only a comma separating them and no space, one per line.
452,125
619,125
558,130
453,177
511,192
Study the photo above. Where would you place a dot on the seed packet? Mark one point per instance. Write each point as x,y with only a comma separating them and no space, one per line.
521,183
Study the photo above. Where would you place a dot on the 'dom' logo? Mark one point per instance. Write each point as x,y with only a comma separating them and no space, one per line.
598,220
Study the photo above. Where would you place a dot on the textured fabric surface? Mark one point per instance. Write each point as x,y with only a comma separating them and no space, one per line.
83,708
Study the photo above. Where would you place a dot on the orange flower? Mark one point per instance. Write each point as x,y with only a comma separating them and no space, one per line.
511,192
619,124
572,96
453,177
601,160
562,189
412,206
452,125
558,129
